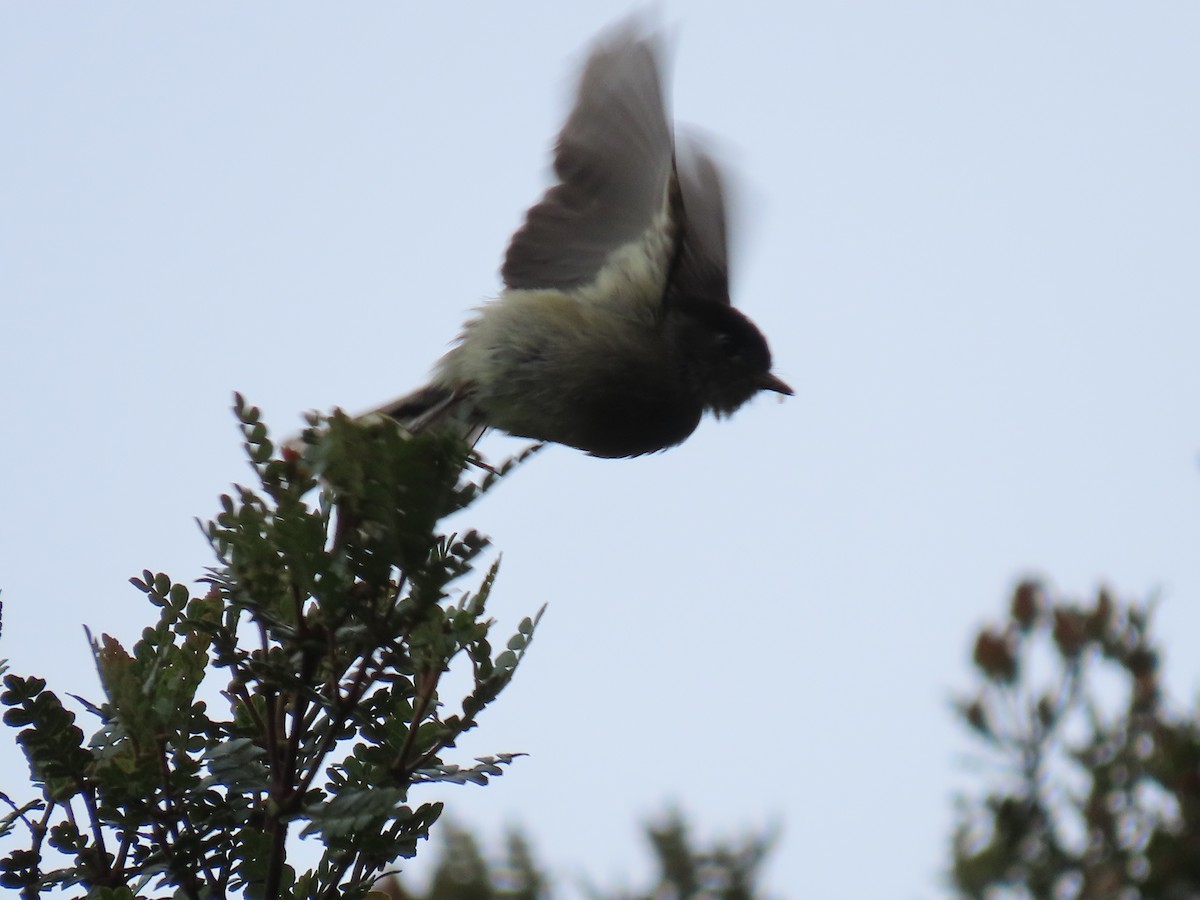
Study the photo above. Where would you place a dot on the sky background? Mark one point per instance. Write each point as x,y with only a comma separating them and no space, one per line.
969,229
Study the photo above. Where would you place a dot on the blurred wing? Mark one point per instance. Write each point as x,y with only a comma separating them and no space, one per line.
701,267
614,164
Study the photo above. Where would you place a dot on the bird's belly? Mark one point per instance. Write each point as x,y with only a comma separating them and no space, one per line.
544,365
605,421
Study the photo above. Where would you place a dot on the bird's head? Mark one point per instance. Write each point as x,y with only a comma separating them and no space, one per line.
726,357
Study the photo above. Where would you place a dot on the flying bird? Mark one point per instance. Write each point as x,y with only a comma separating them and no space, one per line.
614,332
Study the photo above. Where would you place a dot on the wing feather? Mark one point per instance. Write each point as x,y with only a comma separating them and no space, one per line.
614,161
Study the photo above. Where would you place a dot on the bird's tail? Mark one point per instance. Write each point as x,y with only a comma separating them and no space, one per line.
433,406
429,407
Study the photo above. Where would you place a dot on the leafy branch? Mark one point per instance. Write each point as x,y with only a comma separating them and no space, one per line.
333,622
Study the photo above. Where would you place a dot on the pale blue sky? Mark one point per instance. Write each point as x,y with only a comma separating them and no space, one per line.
970,231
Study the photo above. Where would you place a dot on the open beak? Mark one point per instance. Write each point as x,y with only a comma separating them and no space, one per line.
769,382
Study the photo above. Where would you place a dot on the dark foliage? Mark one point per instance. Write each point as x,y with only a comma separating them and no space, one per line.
333,624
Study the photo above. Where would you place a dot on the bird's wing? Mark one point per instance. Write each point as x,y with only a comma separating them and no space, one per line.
701,265
614,163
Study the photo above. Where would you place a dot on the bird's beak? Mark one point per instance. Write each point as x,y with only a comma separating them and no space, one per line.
770,382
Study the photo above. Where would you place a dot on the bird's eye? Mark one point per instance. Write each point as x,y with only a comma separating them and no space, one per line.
728,345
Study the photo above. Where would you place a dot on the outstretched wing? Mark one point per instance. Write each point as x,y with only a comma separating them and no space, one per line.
701,267
614,162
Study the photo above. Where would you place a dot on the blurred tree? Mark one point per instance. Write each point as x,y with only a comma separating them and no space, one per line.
1098,791
463,873
724,871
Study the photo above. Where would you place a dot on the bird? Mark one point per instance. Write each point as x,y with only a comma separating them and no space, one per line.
614,332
